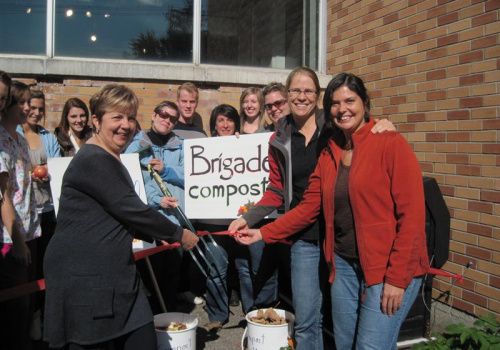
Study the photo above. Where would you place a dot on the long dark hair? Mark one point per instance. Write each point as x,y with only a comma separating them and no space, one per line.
353,83
227,111
72,103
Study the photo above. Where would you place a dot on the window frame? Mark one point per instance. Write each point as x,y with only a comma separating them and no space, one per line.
135,69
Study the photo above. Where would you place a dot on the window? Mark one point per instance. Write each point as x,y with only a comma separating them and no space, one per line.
259,33
22,27
279,34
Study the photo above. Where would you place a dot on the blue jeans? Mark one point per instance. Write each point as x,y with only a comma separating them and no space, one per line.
264,275
360,324
307,297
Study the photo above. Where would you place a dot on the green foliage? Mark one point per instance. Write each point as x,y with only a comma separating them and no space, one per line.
483,335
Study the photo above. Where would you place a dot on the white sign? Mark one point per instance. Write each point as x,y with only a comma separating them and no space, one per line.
224,173
57,167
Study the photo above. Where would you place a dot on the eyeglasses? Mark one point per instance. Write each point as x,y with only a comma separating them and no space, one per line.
165,115
296,92
277,104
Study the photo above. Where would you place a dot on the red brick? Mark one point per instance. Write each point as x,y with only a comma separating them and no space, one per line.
375,7
417,117
406,127
436,74
374,59
436,53
458,136
393,17
463,305
407,31
479,229
447,191
475,298
495,281
478,253
398,62
398,100
480,207
447,19
484,42
471,57
471,79
490,196
463,260
416,38
488,17
491,148
491,124
383,48
346,67
427,167
436,95
447,40
468,170
457,159
492,5
398,81
458,115
471,102
435,137
368,35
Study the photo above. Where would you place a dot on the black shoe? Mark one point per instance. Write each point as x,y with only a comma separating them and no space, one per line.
234,300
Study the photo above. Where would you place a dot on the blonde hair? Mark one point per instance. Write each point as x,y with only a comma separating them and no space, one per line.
260,97
189,87
113,97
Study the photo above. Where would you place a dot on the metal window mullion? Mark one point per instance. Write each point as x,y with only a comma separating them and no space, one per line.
50,28
322,36
197,32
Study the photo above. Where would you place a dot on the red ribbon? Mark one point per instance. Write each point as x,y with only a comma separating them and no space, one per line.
433,271
36,286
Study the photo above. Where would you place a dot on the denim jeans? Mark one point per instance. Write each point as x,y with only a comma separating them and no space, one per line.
247,261
307,297
360,324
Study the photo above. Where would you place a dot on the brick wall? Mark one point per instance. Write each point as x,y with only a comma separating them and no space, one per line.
432,67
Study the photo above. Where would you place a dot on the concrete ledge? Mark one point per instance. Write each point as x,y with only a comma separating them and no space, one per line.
140,70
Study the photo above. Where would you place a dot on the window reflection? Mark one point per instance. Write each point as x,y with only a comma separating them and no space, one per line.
261,33
22,26
129,29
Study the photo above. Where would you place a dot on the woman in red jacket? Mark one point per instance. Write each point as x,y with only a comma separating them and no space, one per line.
369,189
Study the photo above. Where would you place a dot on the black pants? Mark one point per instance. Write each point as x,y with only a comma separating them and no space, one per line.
143,338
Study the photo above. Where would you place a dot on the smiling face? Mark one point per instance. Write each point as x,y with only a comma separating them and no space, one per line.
348,110
115,130
18,112
251,106
37,111
77,119
276,106
302,104
164,121
224,126
187,105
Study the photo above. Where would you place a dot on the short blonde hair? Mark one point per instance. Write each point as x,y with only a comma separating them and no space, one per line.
189,87
113,97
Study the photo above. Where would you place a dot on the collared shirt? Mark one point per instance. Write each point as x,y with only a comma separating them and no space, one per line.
304,159
15,161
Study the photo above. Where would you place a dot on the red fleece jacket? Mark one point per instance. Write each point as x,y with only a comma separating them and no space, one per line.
387,199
